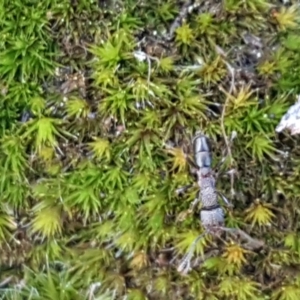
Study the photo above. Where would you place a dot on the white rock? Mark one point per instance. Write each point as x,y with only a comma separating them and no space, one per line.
291,120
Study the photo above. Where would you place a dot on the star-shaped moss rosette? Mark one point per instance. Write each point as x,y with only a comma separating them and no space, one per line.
99,101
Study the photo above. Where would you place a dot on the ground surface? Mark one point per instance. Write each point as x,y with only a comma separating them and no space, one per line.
99,102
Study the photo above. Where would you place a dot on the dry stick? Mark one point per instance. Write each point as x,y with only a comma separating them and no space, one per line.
185,265
6,281
186,9
252,243
166,250
229,153
198,261
183,189
140,56
234,231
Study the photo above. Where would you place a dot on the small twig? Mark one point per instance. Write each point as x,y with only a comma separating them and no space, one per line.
149,70
186,9
252,243
141,56
185,264
183,189
92,289
6,281
231,71
193,204
199,260
166,250
227,143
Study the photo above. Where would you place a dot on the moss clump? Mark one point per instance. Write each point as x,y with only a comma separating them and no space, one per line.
99,101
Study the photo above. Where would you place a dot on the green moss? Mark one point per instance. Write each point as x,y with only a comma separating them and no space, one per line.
89,204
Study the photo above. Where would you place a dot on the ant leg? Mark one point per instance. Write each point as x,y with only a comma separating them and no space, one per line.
225,199
185,264
251,243
183,189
